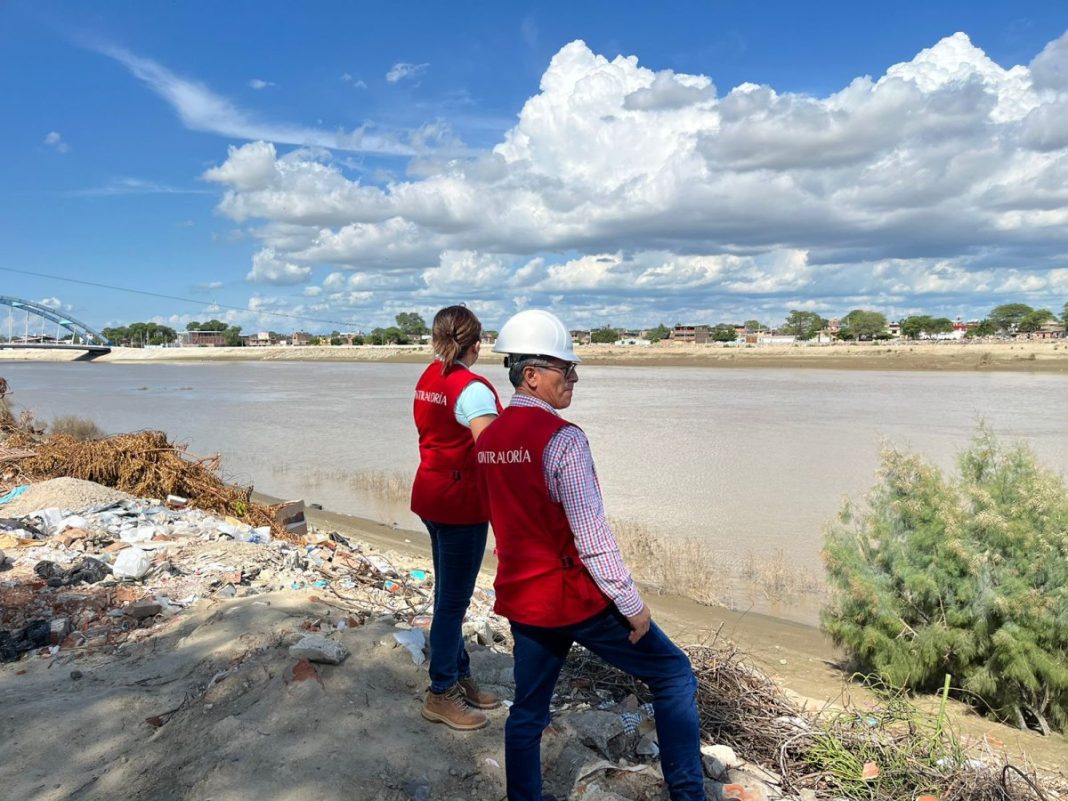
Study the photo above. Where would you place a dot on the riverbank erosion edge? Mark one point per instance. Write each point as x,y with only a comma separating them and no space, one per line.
1023,356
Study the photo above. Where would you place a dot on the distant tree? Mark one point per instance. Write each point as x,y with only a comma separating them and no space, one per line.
604,335
1009,315
214,325
803,324
1064,315
724,332
357,339
863,324
662,332
315,340
1034,320
961,575
755,326
912,327
336,341
986,328
388,336
140,334
232,336
117,334
411,324
192,326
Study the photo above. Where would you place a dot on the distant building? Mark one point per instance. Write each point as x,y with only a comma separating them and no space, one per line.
201,339
691,334
581,337
261,339
300,338
1050,330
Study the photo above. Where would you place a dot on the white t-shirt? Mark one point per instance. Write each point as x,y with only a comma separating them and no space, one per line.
475,401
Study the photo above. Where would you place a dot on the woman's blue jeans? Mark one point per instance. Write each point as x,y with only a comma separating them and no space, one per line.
655,659
457,552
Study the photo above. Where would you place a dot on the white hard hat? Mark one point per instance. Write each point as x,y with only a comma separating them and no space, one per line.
538,333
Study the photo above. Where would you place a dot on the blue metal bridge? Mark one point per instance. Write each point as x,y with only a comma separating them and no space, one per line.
69,334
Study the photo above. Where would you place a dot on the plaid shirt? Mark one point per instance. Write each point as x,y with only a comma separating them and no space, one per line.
572,481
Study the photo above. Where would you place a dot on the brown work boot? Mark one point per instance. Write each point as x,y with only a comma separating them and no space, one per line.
452,709
476,696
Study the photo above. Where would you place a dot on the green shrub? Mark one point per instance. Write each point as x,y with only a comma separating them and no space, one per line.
965,575
81,428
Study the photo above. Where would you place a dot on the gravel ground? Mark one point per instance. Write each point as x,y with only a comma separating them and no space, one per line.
62,493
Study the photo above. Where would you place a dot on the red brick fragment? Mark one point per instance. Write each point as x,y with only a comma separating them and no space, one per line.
302,671
735,792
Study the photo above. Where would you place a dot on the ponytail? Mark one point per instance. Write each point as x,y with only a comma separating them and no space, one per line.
455,329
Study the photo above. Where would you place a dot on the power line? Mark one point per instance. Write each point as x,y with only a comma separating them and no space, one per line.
176,297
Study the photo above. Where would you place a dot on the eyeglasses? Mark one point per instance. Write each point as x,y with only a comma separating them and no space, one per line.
569,371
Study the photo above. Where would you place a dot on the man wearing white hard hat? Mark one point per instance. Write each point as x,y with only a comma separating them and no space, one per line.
560,577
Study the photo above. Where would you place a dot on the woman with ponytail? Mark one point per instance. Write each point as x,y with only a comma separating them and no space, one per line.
452,407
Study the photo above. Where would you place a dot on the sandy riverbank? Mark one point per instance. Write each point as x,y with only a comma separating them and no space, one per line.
800,658
1028,356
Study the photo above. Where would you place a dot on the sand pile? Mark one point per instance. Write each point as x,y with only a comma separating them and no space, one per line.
61,493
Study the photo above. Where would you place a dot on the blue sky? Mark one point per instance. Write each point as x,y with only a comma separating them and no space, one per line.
328,165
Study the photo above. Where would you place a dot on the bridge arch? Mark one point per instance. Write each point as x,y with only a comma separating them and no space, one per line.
77,329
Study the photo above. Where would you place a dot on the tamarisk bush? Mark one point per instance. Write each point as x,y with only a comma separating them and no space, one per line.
964,575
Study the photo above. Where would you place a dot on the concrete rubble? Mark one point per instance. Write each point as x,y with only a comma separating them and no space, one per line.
106,567
79,584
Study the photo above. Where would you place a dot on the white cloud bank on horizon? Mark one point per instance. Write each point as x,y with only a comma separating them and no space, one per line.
643,196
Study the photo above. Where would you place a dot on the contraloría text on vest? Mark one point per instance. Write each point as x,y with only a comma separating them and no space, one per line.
514,456
431,397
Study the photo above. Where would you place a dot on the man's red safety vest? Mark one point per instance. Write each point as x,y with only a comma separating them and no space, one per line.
445,490
540,579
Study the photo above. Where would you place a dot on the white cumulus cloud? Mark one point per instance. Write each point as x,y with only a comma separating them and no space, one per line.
622,187
267,268
403,70
54,139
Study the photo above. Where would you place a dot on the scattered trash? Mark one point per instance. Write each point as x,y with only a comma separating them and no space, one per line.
380,564
131,563
12,494
35,635
414,640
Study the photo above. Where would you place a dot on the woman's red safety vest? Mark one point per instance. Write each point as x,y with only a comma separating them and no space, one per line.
541,580
445,490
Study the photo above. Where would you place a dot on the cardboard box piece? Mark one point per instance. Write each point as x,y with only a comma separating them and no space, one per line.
291,516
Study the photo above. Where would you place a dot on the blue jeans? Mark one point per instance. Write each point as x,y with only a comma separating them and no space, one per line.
457,552
655,659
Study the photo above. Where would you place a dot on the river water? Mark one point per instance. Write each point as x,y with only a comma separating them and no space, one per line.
754,461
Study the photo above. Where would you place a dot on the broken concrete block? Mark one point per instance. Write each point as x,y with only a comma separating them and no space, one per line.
144,608
60,628
601,731
718,759
316,648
